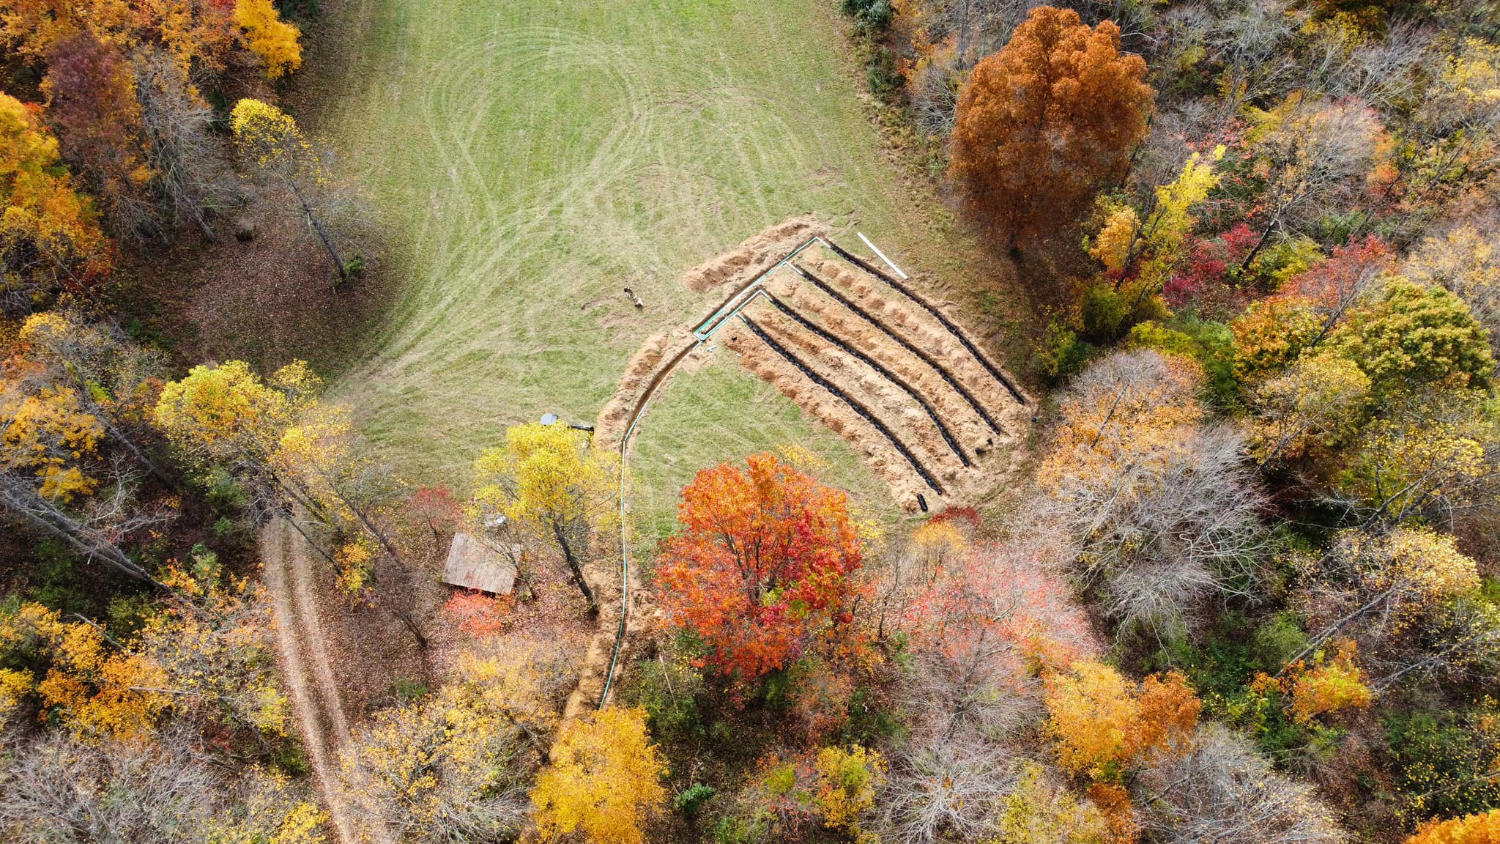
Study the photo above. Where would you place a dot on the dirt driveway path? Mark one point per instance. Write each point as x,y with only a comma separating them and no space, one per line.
287,574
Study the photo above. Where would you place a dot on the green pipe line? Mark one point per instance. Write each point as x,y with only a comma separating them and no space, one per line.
703,331
703,336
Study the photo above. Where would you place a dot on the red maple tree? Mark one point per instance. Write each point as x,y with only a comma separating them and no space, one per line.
761,568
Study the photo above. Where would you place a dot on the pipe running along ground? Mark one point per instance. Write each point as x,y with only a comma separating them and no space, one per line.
702,333
834,341
930,308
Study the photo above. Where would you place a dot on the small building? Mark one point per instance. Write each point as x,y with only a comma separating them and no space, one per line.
474,563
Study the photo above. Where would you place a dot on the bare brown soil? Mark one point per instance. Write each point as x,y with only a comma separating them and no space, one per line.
267,301
918,326
753,256
903,415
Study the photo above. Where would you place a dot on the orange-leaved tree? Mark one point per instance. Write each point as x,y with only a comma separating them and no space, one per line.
1482,828
1043,123
761,569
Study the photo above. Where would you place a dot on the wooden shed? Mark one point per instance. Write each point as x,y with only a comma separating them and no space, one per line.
474,563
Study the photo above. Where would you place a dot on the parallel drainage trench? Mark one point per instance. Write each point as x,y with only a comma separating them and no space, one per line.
858,408
928,306
905,344
833,340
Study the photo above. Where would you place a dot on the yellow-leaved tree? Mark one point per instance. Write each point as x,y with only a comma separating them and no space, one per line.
1332,684
93,684
218,657
1396,582
269,139
451,766
553,483
1317,402
50,238
1159,240
227,414
604,780
1103,723
268,36
48,435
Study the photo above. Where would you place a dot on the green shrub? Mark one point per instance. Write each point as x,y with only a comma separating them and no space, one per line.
1211,344
1061,354
56,580
222,491
407,690
1276,641
869,723
1443,762
691,799
668,689
1221,664
127,614
1277,263
736,830
872,16
1103,312
881,74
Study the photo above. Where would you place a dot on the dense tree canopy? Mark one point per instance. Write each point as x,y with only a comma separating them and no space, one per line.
762,567
50,239
1046,121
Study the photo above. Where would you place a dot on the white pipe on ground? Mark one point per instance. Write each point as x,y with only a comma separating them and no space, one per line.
876,250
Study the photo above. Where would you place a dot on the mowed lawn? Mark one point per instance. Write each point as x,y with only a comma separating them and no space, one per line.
530,158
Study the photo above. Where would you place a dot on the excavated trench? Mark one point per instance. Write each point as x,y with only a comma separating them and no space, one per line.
926,358
900,382
849,400
937,314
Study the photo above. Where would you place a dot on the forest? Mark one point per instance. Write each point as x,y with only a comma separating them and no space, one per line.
1160,503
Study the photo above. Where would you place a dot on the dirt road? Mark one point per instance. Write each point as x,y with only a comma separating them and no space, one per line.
287,574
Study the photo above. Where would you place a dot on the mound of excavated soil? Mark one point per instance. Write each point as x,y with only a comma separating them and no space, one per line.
879,453
644,372
753,256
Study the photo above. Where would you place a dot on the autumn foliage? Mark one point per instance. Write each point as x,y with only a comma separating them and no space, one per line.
1103,723
1482,828
762,567
49,235
605,779
1045,121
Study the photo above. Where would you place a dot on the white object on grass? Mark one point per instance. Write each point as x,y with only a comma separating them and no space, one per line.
877,251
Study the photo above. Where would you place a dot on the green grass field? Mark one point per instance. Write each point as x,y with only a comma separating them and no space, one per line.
532,157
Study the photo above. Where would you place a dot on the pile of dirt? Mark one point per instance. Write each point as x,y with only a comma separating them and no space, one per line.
754,256
644,372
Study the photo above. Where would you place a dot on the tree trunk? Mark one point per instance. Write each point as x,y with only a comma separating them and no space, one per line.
338,260
411,627
575,568
1264,236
